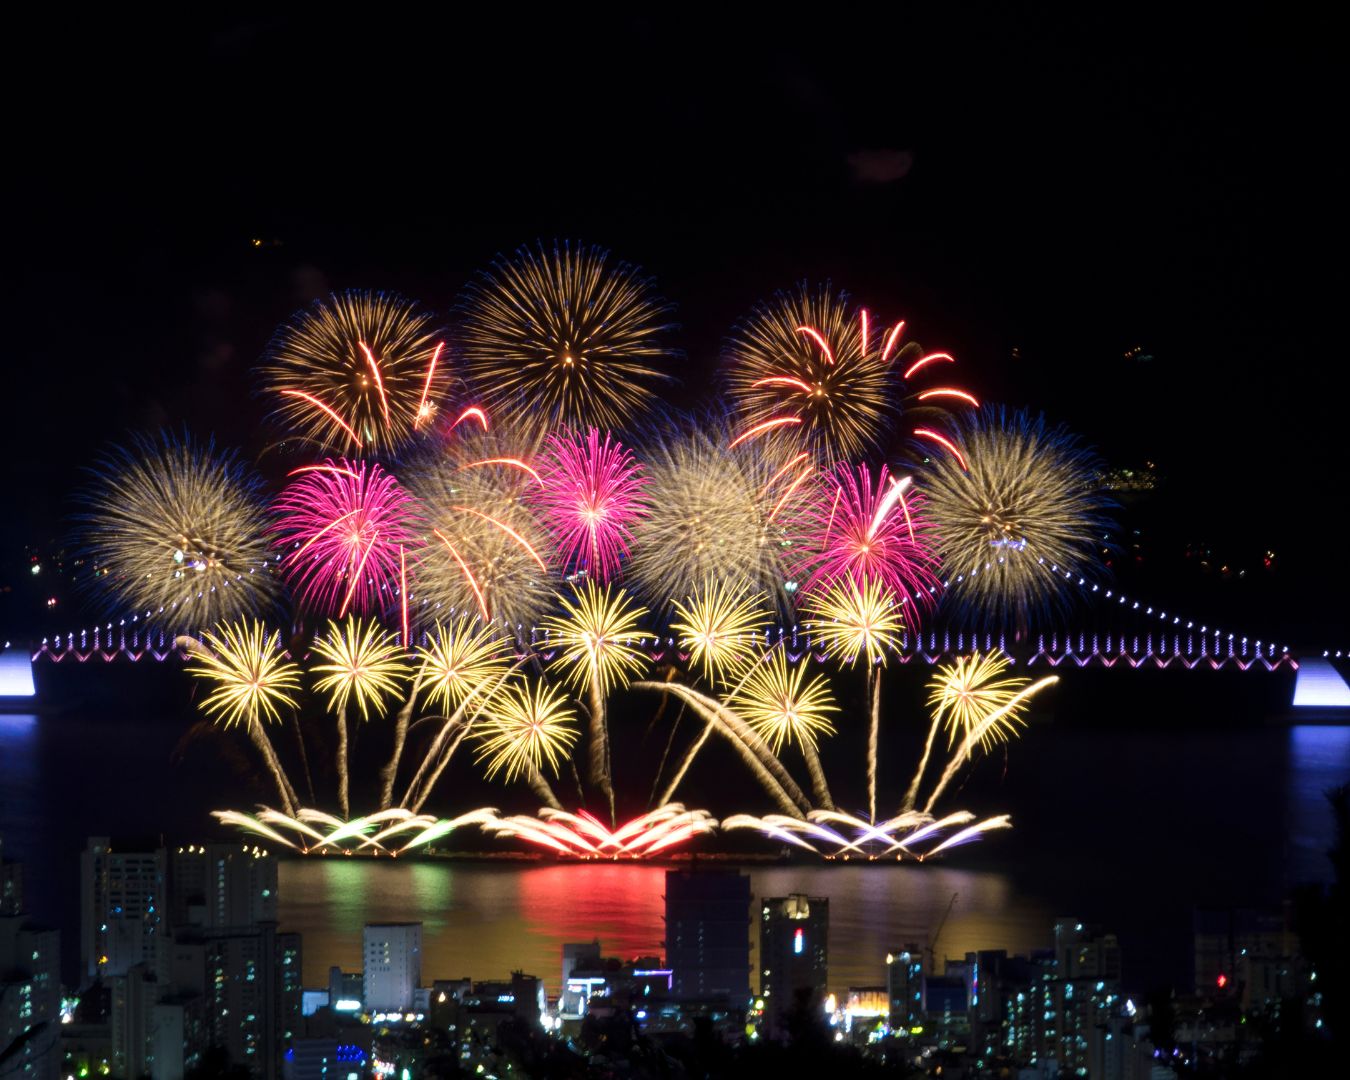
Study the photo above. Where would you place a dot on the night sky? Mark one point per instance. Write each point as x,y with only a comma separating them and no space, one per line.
1035,193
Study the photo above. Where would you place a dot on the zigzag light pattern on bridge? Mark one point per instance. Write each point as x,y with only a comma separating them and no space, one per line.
135,639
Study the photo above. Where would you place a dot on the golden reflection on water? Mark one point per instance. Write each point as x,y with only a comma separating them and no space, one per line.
483,921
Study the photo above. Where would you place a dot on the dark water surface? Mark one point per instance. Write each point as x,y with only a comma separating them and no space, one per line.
1124,825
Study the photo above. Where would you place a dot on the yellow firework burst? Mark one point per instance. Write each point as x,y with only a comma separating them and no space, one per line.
966,693
778,702
363,660
527,725
460,659
566,334
809,355
720,626
852,619
359,372
249,673
595,636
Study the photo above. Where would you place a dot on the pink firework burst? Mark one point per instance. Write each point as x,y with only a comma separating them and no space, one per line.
590,496
344,526
866,526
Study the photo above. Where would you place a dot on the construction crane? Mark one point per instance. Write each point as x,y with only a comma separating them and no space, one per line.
933,940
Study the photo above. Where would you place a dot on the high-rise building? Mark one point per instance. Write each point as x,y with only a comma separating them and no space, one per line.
392,955
904,986
253,994
30,994
1086,992
220,885
708,935
122,913
578,954
11,884
133,998
793,954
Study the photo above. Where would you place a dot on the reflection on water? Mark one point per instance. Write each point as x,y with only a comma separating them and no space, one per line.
482,921
1319,760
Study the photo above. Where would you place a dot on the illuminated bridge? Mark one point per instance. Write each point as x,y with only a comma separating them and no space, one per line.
1144,637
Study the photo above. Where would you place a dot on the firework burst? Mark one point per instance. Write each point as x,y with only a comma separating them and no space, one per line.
362,661
720,627
1016,506
590,496
483,548
528,726
251,678
359,371
177,530
344,528
250,674
963,694
713,516
866,528
594,638
566,334
805,355
459,659
776,700
850,619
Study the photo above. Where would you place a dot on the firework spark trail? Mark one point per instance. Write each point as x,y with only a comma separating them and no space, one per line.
978,734
963,694
341,528
177,530
573,338
357,370
752,749
1025,503
593,638
362,661
593,495
860,619
251,680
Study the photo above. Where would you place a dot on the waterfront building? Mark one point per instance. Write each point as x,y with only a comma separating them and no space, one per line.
793,955
708,935
904,987
392,954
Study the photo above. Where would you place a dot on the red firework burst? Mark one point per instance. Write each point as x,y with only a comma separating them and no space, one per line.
591,494
344,526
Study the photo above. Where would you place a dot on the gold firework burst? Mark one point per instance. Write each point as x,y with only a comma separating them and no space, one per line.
460,659
567,335
720,626
250,674
595,636
778,702
364,661
967,692
852,619
359,372
528,725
